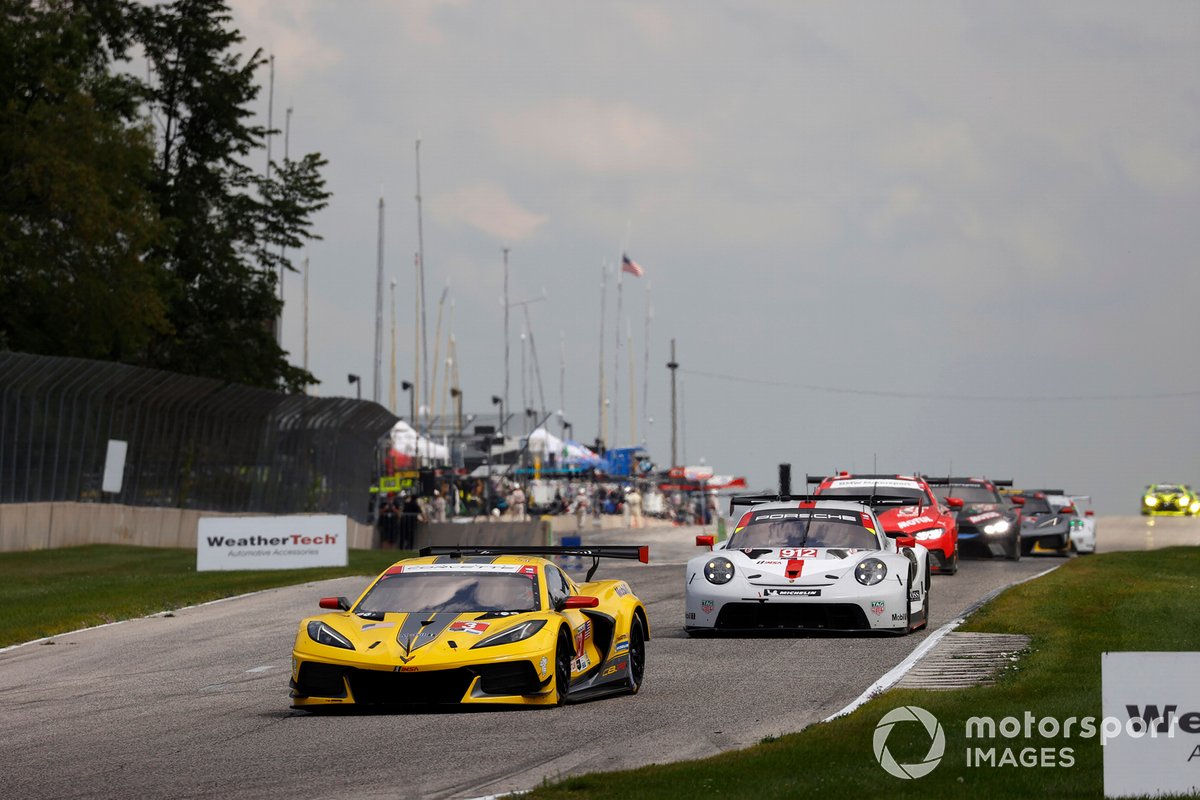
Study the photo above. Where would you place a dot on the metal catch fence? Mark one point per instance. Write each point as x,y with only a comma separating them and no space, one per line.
191,442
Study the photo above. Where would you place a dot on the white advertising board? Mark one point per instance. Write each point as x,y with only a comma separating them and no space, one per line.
293,542
114,466
1156,698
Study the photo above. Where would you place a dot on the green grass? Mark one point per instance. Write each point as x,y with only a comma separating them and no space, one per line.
1118,601
48,592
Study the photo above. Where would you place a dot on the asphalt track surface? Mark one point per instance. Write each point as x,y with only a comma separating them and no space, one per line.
195,705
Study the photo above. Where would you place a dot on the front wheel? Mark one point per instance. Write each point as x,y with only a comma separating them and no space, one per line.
637,655
562,669
1014,550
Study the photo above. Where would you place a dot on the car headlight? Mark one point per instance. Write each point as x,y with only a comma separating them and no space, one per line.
870,571
1195,506
1181,502
999,526
321,633
932,533
514,634
1151,501
718,570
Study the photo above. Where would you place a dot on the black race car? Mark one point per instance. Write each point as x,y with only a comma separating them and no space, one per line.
1044,528
988,525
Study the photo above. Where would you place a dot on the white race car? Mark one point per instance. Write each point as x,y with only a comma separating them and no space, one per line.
808,564
1083,521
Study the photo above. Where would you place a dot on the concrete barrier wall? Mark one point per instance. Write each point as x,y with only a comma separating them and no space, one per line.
483,533
39,526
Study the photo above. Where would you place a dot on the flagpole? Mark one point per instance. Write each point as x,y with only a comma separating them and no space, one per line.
646,370
632,387
602,421
617,359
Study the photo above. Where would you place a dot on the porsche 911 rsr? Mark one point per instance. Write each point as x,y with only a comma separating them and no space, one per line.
931,523
475,625
807,564
1082,522
1044,528
988,525
1170,500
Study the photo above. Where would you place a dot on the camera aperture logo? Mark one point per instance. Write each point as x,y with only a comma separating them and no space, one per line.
937,742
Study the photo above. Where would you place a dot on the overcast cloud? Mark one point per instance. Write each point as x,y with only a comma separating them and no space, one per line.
950,200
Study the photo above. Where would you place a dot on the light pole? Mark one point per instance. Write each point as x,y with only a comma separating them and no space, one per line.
499,401
412,412
412,420
357,381
673,365
456,393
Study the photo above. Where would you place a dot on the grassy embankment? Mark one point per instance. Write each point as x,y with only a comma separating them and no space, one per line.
1119,601
48,592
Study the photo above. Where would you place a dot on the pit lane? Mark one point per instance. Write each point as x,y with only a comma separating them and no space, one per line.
195,705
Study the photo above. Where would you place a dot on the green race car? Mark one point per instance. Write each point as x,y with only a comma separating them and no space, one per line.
1170,500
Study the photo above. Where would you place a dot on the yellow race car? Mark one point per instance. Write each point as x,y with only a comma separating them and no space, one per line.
1170,500
500,625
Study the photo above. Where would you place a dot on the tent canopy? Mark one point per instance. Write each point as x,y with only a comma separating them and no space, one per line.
407,441
544,443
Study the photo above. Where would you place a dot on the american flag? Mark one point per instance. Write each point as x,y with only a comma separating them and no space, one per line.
631,266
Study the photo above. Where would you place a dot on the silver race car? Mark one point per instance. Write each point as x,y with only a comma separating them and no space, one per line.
800,563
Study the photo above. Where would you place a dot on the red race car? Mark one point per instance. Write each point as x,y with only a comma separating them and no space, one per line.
926,520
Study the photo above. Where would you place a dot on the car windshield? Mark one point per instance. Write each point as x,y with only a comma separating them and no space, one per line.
802,530
454,591
974,493
1167,488
912,491
1036,505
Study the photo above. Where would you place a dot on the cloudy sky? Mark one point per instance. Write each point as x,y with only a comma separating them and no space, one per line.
903,236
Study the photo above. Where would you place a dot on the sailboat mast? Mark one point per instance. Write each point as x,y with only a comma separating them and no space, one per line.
423,370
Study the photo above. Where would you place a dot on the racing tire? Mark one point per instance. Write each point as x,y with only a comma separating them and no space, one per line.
953,570
908,628
637,656
925,601
1014,551
562,668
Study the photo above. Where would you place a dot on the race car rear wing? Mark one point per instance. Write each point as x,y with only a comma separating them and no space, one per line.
963,481
631,551
866,499
881,476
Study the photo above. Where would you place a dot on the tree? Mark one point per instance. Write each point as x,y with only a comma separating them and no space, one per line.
76,219
228,224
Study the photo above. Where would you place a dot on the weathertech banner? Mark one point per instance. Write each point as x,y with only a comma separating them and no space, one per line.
294,542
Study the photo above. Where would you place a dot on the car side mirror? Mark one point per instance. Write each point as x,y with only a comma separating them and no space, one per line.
955,502
1089,513
580,601
1067,510
905,541
705,541
335,603
1017,501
